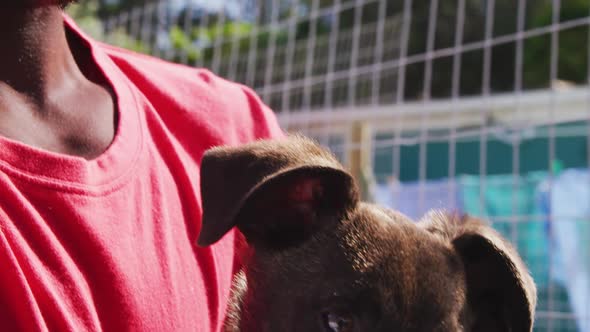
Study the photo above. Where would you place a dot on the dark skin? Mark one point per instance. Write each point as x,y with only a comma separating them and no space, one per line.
51,97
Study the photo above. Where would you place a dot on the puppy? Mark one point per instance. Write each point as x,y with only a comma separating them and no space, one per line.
323,261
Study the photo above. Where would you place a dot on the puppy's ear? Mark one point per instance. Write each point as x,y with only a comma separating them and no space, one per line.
275,192
501,294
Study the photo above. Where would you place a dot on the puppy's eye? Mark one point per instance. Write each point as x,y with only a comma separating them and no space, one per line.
338,322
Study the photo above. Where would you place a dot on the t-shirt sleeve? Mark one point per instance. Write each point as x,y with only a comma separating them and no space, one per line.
196,101
264,120
242,114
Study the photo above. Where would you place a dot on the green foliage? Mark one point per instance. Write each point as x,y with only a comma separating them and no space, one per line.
184,45
199,43
120,38
84,13
572,52
108,8
226,31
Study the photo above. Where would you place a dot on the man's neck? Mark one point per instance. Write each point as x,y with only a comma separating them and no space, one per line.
51,95
36,60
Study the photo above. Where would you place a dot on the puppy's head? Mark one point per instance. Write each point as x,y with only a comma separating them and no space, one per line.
324,261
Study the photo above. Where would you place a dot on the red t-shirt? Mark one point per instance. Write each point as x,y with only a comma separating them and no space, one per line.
110,244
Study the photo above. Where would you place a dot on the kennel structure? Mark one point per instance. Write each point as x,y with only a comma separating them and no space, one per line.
480,106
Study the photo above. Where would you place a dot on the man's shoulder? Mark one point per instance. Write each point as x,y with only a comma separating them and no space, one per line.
148,72
196,95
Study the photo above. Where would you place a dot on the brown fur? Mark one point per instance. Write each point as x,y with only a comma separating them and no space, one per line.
318,250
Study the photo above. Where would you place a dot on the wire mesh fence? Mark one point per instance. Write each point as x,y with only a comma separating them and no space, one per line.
481,106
